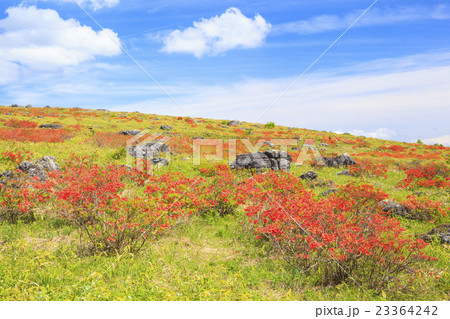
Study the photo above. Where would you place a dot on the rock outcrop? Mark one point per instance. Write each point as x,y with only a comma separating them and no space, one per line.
148,150
166,127
130,132
51,126
273,159
233,123
309,176
441,233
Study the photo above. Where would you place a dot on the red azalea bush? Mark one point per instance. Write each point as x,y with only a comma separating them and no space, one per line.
18,157
424,209
15,201
20,124
367,168
426,176
218,190
19,197
109,139
394,148
189,120
35,135
96,200
344,235
91,197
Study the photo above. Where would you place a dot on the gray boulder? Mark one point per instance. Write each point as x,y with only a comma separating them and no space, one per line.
309,176
49,163
6,176
441,232
231,123
273,159
130,132
34,170
394,208
160,161
269,143
148,150
330,162
29,106
284,164
344,160
256,160
166,127
51,126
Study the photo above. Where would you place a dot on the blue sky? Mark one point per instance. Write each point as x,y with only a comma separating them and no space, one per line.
387,77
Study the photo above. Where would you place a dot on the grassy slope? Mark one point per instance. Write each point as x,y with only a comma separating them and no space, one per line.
203,258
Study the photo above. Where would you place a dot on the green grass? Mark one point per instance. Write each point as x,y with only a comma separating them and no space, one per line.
201,259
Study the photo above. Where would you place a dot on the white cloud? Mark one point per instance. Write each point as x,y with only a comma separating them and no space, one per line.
39,39
10,72
91,4
375,16
444,140
99,4
381,133
218,34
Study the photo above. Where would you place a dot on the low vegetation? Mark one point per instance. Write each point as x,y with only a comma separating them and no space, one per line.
97,229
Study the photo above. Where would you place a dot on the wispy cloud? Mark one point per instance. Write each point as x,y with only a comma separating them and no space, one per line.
218,34
374,17
90,4
408,103
444,140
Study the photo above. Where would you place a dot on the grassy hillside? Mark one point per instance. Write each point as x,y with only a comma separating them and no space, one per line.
209,248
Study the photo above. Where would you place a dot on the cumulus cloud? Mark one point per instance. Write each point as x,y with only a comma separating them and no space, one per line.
39,39
218,34
375,16
444,140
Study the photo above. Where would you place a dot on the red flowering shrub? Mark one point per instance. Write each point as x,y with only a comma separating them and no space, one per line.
15,201
424,209
34,135
368,168
426,176
17,158
109,139
20,124
95,198
394,148
90,196
341,236
19,197
219,190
